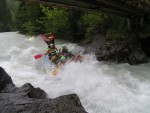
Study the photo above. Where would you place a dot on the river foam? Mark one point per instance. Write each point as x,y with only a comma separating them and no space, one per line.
102,87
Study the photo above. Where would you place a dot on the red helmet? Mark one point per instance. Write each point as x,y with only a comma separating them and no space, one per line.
51,37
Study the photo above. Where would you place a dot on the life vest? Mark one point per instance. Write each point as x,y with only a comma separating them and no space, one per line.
52,52
55,59
64,51
70,55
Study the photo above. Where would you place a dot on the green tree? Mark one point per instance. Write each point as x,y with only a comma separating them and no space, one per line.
5,18
13,6
75,25
63,22
55,19
29,16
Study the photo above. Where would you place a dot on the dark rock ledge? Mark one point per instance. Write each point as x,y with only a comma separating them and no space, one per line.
119,51
27,99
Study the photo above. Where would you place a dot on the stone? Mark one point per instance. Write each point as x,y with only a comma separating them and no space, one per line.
27,99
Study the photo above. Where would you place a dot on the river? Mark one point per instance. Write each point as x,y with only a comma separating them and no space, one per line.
102,87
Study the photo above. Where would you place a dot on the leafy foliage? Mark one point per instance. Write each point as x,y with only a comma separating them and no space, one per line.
28,18
117,29
33,19
5,19
55,19
13,6
90,20
29,28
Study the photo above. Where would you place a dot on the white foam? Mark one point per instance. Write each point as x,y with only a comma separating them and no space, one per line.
101,87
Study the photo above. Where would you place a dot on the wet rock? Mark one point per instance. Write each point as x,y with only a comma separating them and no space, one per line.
27,99
145,42
5,79
122,51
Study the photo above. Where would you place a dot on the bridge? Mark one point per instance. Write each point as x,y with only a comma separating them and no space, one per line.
108,6
116,7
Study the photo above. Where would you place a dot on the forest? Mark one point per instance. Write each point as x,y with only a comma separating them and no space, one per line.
75,25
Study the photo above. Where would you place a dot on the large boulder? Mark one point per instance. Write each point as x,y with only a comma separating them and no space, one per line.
120,51
5,79
27,99
145,42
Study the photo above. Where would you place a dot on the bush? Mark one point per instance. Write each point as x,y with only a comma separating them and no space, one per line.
29,28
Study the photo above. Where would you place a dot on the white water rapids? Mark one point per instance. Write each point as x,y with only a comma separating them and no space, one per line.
102,87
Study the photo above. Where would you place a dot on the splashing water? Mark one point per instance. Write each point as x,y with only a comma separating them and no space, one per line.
102,87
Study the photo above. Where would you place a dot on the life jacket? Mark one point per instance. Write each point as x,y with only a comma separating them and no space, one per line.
51,52
55,59
51,41
64,51
70,55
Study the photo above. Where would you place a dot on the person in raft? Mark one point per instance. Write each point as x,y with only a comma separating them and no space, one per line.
51,39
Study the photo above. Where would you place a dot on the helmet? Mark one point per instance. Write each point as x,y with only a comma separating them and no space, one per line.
63,58
63,46
57,52
51,44
69,51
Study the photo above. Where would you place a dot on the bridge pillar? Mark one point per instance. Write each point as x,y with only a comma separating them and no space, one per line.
135,24
142,21
129,24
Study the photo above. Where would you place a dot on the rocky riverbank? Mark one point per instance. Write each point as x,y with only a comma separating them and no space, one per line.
27,99
121,51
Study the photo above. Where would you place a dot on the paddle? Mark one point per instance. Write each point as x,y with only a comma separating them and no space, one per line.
38,56
44,38
54,73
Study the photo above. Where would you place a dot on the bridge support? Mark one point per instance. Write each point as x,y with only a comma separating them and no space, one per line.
129,24
142,21
135,24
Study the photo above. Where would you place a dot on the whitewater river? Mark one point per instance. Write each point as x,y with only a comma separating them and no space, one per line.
102,87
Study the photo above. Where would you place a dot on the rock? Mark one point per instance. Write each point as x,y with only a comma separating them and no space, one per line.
27,99
122,51
33,92
5,79
146,45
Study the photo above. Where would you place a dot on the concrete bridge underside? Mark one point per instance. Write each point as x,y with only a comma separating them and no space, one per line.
107,6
